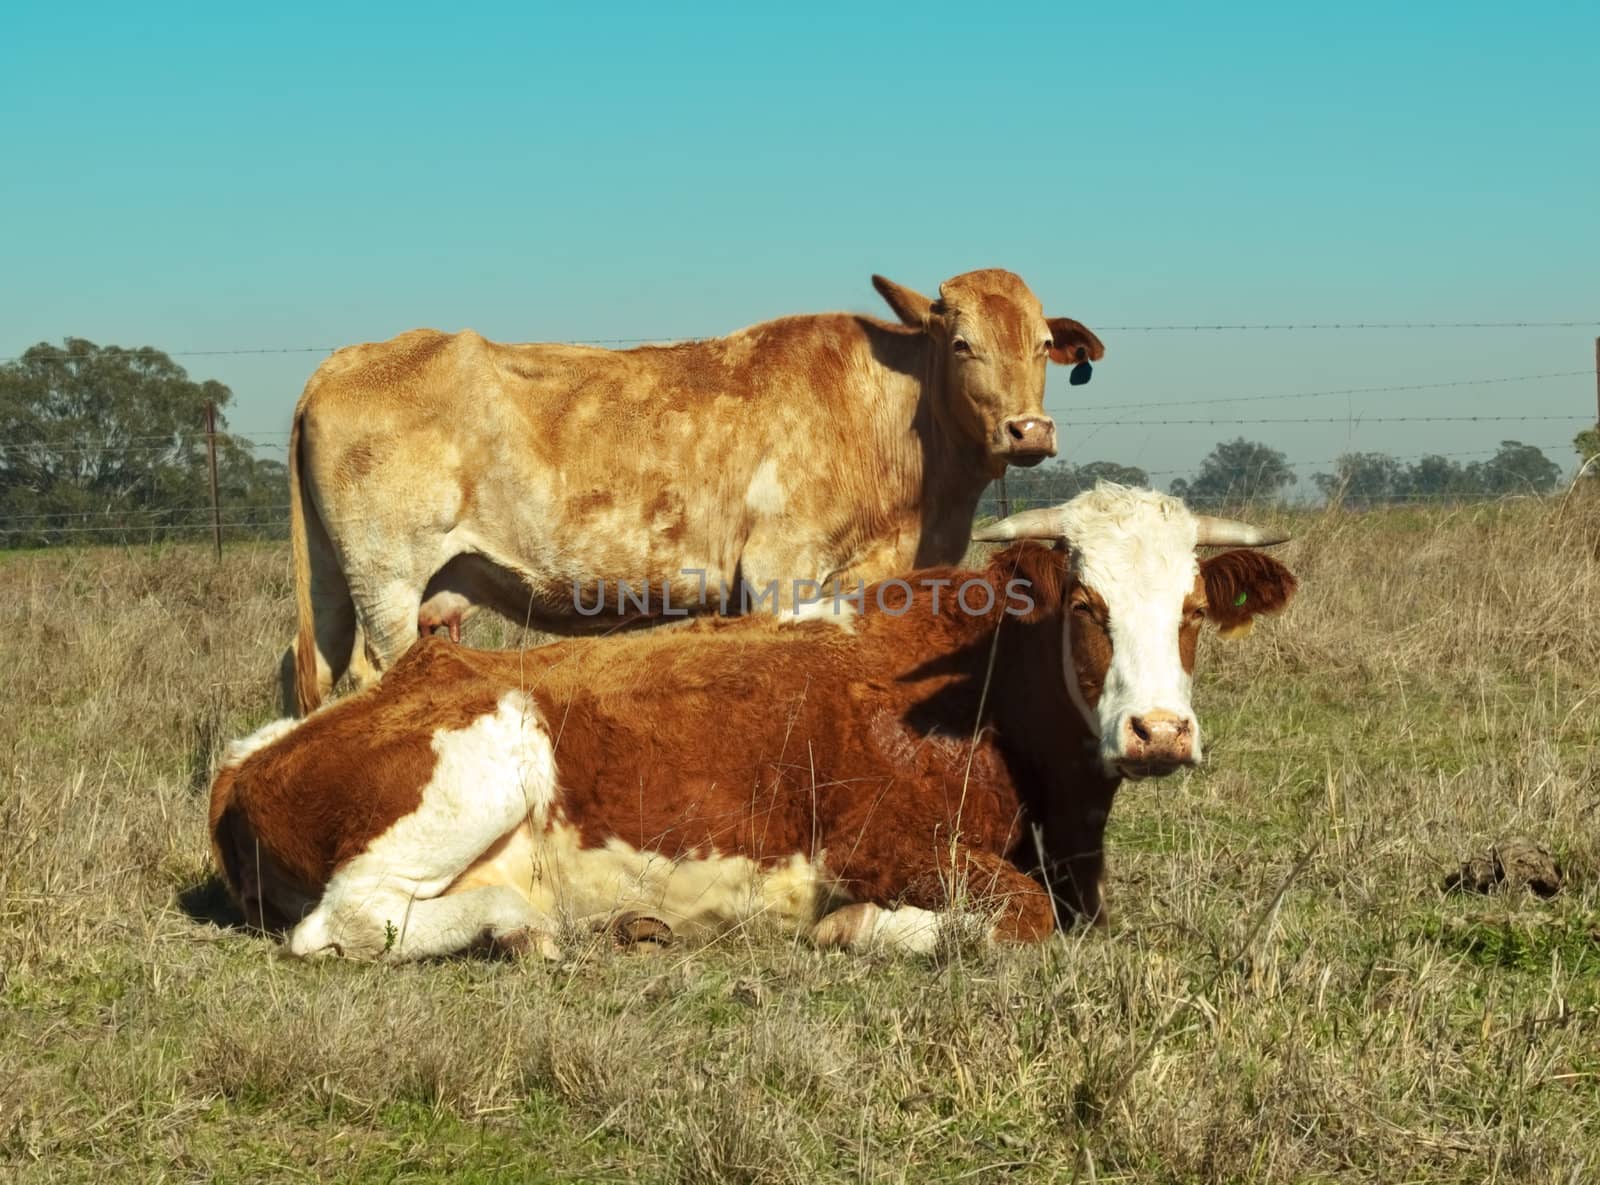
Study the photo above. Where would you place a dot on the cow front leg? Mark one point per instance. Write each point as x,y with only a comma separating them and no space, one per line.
389,617
981,882
781,579
960,879
864,925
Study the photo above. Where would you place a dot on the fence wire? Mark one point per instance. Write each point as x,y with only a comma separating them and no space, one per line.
191,518
675,339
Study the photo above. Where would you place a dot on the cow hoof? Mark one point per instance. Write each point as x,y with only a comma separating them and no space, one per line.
524,942
637,931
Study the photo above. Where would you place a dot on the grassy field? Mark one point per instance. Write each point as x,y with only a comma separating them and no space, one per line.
1284,994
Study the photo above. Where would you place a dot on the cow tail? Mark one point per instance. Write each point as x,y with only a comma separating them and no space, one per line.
306,694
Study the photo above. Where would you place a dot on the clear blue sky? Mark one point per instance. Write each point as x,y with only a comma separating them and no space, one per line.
179,177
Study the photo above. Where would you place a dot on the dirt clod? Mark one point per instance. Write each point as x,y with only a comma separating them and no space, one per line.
1510,864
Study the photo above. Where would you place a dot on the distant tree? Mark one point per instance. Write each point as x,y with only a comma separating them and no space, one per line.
1059,481
1435,477
1362,479
1237,471
1516,468
1587,443
1122,475
97,436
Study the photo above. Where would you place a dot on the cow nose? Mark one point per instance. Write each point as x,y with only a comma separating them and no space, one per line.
1031,436
1158,741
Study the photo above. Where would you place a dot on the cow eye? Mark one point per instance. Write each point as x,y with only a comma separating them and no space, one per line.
1083,607
960,346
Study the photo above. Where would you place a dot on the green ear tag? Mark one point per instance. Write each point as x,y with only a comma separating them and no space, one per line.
1240,599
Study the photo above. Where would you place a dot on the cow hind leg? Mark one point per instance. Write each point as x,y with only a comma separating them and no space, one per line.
395,929
494,918
395,901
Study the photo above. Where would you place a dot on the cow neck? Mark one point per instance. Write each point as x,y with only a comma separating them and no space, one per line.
1034,710
1054,761
948,506
937,473
1026,709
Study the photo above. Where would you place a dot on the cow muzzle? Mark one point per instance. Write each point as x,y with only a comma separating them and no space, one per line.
1027,440
1156,743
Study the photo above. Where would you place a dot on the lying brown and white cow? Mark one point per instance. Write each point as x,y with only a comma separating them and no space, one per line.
726,770
436,472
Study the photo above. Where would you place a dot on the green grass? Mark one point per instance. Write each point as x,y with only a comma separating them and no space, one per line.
1284,995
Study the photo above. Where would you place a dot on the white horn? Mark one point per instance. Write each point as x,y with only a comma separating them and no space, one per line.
1230,532
1044,523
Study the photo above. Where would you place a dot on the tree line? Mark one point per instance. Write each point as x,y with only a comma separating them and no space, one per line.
1239,472
103,444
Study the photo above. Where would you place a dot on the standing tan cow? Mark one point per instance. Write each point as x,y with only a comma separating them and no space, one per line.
437,472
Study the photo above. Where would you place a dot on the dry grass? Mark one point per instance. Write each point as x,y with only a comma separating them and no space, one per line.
1284,994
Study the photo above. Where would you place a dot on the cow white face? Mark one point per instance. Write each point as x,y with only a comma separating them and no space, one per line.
1132,612
992,344
1129,624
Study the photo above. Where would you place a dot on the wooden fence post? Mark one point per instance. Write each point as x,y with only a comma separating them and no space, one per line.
1005,500
211,464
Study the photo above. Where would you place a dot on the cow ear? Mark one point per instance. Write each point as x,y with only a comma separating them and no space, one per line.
1240,584
913,308
1032,579
1074,344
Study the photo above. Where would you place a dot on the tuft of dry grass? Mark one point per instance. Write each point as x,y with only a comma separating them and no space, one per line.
1284,995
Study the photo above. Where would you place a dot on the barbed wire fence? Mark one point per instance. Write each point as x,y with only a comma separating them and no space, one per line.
188,519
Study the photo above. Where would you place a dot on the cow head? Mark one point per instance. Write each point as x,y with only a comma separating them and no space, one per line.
991,343
1132,600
